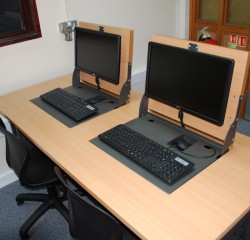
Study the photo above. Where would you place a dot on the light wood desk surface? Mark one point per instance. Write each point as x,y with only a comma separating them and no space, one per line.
206,207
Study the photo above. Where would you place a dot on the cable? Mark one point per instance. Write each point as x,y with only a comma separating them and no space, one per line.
181,116
97,83
105,102
191,155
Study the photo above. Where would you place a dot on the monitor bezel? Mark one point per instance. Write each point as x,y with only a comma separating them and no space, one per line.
221,116
115,81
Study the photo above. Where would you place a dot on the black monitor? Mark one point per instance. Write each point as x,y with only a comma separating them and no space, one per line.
193,82
98,53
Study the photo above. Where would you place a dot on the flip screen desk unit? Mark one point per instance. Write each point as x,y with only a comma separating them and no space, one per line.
103,63
206,207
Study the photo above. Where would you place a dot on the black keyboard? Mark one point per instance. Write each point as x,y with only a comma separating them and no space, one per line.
69,104
159,160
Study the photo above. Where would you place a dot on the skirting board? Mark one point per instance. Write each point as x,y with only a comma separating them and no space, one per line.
7,178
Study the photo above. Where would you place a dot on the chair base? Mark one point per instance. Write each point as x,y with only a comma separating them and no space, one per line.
52,200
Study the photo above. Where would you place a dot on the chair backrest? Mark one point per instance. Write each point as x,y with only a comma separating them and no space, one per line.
16,152
87,220
2,123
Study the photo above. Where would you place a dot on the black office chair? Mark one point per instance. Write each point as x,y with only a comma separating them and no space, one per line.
88,220
34,170
29,145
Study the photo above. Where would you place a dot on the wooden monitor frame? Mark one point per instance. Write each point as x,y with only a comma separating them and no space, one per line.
221,134
122,90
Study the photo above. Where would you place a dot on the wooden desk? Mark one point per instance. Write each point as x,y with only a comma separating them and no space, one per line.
206,207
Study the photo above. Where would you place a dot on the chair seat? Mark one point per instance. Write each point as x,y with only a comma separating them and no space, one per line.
89,220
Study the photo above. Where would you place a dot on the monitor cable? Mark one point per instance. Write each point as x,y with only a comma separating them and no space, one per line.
97,83
213,153
181,116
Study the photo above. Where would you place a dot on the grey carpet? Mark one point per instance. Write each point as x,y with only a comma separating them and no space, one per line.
50,226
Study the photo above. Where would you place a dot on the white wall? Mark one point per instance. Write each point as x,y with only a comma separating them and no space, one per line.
33,61
27,63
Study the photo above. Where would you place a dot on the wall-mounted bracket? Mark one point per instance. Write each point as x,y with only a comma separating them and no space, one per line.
125,91
193,47
143,110
232,130
101,29
76,79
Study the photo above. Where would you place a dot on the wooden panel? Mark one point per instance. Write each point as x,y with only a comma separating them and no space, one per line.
127,36
237,87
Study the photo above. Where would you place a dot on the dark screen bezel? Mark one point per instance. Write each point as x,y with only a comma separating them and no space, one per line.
221,116
115,81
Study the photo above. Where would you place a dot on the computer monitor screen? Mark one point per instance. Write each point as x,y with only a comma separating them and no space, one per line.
193,82
98,53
